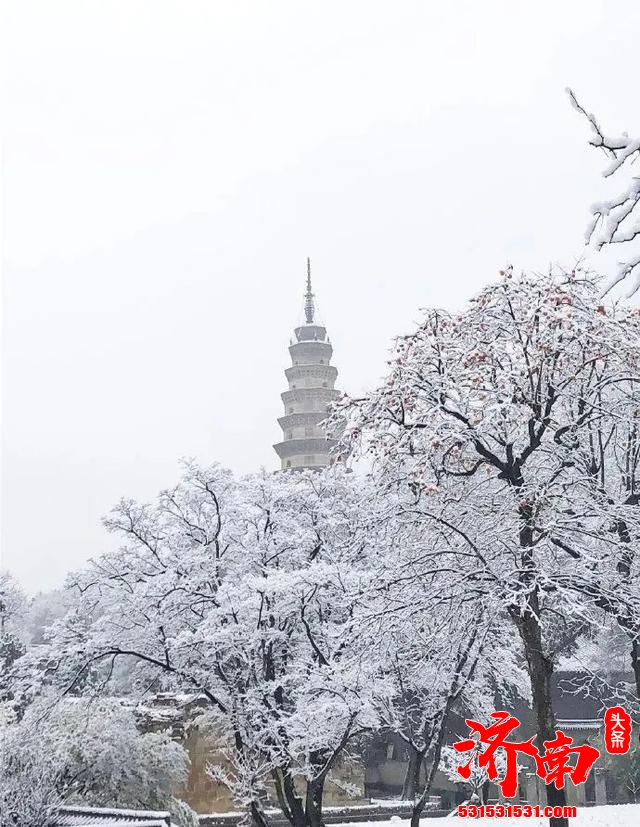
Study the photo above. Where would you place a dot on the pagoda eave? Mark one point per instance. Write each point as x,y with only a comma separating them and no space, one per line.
303,447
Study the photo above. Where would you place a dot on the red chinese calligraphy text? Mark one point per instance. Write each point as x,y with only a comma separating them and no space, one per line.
560,760
617,730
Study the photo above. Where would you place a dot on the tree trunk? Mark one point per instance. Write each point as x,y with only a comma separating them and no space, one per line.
315,790
411,785
635,663
540,672
624,570
419,803
257,815
540,667
288,799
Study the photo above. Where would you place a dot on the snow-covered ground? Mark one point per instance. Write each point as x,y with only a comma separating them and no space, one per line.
620,815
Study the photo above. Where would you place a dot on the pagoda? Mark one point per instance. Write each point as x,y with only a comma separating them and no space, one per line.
311,380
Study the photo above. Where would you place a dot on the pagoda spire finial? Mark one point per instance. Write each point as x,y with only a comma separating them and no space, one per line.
309,308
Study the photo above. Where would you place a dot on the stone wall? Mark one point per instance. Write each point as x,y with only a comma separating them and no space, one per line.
206,795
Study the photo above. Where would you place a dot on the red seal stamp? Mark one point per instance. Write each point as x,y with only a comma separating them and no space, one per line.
617,730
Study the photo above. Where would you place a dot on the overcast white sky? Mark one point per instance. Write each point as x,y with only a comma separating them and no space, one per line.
167,167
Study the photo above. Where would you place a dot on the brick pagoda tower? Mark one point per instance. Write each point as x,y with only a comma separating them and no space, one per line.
311,380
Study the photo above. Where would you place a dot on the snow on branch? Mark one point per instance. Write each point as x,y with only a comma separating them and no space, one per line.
617,220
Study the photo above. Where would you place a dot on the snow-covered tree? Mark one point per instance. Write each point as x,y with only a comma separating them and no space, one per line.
616,221
441,652
77,751
624,771
28,782
477,784
42,611
488,417
439,660
245,592
13,604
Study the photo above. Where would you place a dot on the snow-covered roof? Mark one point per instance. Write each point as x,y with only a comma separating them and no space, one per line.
92,821
571,724
110,817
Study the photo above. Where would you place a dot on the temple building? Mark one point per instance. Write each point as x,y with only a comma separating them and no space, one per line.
311,380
